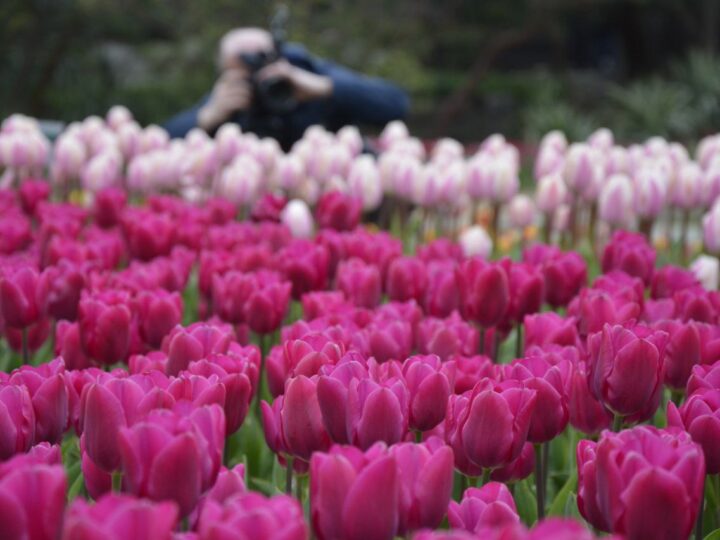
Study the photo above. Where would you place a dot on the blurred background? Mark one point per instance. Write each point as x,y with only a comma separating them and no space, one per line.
520,67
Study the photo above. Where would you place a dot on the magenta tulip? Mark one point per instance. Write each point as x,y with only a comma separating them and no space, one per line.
670,279
429,389
338,211
446,337
60,287
549,328
406,279
587,414
250,515
484,292
17,420
107,407
631,253
294,424
32,499
354,496
700,417
425,473
104,320
360,282
626,369
19,305
641,483
158,313
489,506
492,423
167,457
195,342
120,517
442,296
565,272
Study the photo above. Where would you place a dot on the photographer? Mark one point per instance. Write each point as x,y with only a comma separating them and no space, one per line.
277,90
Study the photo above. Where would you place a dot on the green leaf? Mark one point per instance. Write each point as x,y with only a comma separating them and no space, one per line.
715,535
76,487
526,502
264,486
557,508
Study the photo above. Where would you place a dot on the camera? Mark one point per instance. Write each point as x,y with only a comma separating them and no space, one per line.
273,95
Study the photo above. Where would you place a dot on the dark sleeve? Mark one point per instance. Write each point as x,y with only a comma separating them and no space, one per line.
362,99
179,125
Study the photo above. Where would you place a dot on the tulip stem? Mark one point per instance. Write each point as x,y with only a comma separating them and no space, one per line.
25,349
486,475
116,481
539,482
519,341
699,522
288,475
418,436
264,343
299,489
617,423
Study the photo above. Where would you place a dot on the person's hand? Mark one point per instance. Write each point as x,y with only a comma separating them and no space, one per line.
307,85
231,93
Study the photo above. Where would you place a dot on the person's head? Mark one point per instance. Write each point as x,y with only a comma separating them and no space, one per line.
242,41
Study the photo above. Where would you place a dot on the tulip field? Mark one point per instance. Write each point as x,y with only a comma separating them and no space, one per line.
213,339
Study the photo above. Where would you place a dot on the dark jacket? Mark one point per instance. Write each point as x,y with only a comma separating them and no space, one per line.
356,99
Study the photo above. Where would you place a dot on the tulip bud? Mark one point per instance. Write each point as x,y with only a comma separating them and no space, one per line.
706,270
476,242
616,199
626,369
361,283
429,391
617,498
491,505
296,216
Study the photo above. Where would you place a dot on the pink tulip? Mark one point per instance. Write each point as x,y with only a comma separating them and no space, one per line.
565,272
104,320
425,473
519,468
294,424
446,337
19,305
641,483
587,414
360,282
108,207
119,517
230,293
60,287
626,369
549,328
169,457
385,339
630,253
250,515
429,389
354,496
700,417
158,313
33,498
320,303
149,234
49,395
267,305
305,265
406,279
300,357
666,281
197,341
69,346
491,409
489,506
549,379
527,290
32,193
484,292
338,211
17,418
442,296
105,408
